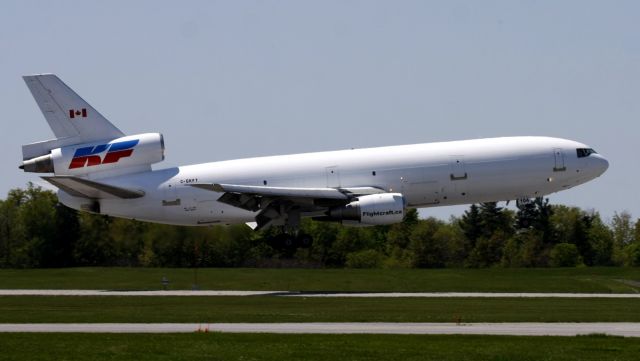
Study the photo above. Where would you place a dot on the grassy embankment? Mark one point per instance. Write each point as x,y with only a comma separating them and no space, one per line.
606,280
18,309
214,346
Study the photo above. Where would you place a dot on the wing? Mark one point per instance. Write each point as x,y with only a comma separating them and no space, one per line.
284,205
263,191
80,187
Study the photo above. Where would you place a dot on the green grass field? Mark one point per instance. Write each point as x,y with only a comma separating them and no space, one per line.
215,346
18,309
607,280
219,346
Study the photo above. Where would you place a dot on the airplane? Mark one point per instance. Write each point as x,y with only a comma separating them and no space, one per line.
97,168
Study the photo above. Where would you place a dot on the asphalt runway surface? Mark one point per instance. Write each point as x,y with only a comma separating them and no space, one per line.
187,293
514,329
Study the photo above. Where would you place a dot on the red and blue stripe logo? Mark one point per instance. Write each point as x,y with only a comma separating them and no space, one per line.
90,156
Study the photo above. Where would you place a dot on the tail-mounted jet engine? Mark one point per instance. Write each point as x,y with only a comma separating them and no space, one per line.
79,159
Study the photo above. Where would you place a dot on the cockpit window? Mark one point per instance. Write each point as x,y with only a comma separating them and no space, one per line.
585,152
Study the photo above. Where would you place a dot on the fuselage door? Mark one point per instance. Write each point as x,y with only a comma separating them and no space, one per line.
558,155
458,171
458,175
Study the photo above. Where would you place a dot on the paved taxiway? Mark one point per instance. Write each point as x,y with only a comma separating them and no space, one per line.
519,329
186,293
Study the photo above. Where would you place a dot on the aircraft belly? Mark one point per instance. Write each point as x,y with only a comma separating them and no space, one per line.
212,212
142,209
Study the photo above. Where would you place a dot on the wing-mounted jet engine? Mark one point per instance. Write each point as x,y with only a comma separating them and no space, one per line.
373,210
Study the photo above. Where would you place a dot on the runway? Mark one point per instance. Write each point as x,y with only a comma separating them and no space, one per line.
188,293
185,293
467,295
514,329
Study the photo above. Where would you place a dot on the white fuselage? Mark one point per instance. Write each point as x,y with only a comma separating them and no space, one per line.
427,175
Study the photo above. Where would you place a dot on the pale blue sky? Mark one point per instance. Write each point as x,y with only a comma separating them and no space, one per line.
232,79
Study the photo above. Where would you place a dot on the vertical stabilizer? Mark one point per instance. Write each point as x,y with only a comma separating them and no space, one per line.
86,144
68,115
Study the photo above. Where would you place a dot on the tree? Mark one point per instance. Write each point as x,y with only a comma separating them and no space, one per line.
565,255
632,254
429,251
623,235
493,227
398,238
571,225
564,221
622,227
601,240
10,227
5,244
128,242
65,238
495,219
536,215
11,230
38,217
94,246
34,230
323,235
224,246
453,238
471,225
488,251
37,231
399,233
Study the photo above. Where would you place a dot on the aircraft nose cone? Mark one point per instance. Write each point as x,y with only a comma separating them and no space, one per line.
600,164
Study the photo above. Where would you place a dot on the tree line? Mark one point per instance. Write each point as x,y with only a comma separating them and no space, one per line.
37,231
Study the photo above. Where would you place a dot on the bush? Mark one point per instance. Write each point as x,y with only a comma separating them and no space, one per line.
367,258
565,255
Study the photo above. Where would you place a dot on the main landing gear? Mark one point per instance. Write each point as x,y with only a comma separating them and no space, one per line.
290,241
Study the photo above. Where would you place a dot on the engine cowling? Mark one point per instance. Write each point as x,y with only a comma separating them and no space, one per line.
80,159
373,209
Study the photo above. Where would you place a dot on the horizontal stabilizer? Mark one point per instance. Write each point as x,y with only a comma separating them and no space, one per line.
80,187
33,150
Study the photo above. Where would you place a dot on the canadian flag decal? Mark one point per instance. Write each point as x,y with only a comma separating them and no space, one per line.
78,113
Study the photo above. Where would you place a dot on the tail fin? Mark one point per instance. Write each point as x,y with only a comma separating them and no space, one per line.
71,119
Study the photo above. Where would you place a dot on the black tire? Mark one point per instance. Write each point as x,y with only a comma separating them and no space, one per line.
304,240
